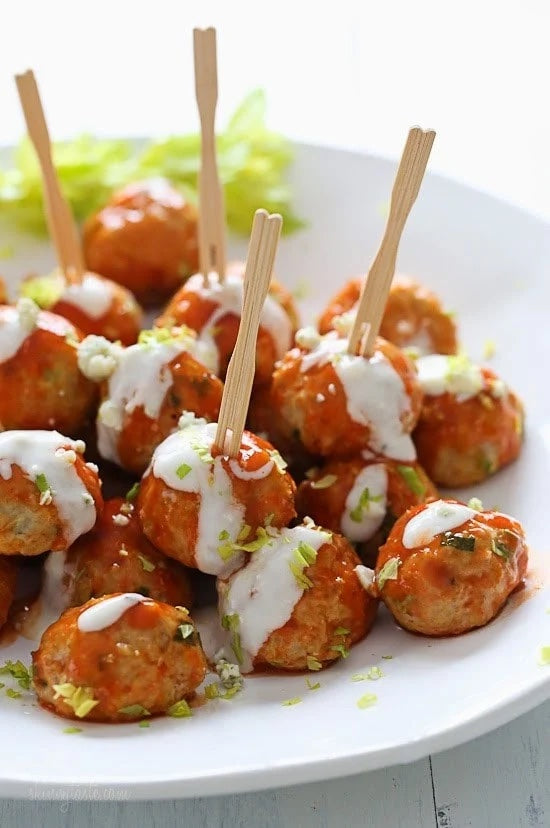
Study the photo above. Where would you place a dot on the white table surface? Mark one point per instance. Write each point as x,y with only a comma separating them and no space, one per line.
351,74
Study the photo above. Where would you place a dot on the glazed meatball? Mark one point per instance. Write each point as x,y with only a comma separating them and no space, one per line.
49,495
297,604
362,499
8,580
261,421
470,425
145,238
414,317
214,311
146,388
207,510
446,568
118,659
42,386
338,404
94,304
117,557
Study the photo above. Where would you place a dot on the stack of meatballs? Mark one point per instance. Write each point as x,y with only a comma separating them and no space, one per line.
330,506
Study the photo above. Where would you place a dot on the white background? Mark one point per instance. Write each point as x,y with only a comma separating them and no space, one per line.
353,74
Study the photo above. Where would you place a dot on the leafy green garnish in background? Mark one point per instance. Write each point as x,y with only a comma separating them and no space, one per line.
252,162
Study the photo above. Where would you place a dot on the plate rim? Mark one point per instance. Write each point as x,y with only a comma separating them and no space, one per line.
313,769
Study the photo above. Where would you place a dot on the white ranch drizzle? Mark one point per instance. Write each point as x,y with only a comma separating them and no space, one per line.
93,295
264,592
219,511
421,342
108,611
229,299
38,453
375,394
375,479
142,377
439,516
14,330
55,592
456,375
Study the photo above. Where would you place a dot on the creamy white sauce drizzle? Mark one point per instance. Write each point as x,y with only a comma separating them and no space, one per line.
437,517
14,329
108,611
142,377
365,576
55,592
420,342
93,295
219,511
229,299
438,374
375,394
37,452
264,592
375,479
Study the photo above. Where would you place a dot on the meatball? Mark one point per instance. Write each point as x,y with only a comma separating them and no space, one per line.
214,311
362,499
42,386
470,425
338,404
117,659
261,421
145,238
94,304
147,386
49,495
414,317
297,604
8,579
207,510
446,568
117,557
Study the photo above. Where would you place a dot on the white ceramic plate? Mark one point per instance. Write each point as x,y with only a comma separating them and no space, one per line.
490,262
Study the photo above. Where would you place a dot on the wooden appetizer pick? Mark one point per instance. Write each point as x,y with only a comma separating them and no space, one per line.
60,220
264,239
375,291
212,256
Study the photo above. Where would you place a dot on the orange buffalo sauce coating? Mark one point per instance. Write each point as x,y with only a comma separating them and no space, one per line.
139,660
407,485
42,387
413,313
336,602
463,442
194,388
261,420
190,308
170,517
122,322
440,589
90,477
312,405
272,495
145,238
117,557
143,616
